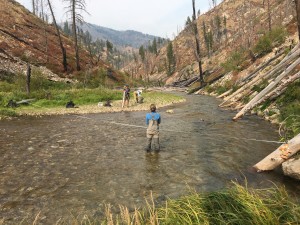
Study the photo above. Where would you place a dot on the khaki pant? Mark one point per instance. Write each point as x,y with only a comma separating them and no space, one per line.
155,137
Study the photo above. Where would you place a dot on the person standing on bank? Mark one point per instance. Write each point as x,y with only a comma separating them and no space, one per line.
126,96
153,120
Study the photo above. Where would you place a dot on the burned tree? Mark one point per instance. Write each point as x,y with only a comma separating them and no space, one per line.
73,8
63,50
297,3
198,53
28,75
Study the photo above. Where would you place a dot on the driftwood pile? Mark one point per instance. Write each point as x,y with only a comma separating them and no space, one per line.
185,83
278,78
209,78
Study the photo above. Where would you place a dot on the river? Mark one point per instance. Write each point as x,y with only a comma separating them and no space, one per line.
65,166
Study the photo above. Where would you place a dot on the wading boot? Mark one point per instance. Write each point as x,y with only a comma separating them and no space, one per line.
156,145
148,145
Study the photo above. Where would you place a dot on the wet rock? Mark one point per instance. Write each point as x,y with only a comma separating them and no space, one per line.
291,168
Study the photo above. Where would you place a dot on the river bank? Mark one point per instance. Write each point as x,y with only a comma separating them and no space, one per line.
151,96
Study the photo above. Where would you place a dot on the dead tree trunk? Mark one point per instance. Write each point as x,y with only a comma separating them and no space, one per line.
280,89
297,2
269,16
265,91
63,50
247,87
28,75
261,67
33,7
198,55
281,154
75,35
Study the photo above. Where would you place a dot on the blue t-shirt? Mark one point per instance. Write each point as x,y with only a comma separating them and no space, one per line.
153,115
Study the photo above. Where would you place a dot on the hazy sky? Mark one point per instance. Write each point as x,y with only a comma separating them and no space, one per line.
157,17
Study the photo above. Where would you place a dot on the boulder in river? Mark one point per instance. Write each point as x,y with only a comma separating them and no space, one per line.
291,168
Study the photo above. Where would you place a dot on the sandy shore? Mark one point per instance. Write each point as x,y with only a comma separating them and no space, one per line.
94,108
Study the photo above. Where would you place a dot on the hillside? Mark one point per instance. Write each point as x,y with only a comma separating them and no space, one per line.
120,38
232,24
25,38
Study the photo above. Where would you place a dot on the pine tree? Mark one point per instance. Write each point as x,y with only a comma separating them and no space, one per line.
142,53
188,21
171,59
154,46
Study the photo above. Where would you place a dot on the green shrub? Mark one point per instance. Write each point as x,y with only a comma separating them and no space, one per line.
8,113
259,87
221,89
289,106
209,88
234,61
270,40
263,46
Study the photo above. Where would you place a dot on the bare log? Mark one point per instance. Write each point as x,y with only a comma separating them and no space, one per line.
224,94
281,154
261,67
246,87
265,91
280,89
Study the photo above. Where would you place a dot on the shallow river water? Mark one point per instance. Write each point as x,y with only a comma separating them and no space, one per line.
65,166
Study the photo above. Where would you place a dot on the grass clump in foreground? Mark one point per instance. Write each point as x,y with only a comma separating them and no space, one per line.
235,205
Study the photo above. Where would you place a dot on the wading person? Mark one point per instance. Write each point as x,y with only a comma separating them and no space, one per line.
153,120
126,96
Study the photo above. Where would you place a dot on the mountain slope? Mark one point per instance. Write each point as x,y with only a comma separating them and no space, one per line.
121,38
25,38
233,25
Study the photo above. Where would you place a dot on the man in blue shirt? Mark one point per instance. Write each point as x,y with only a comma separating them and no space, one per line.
153,120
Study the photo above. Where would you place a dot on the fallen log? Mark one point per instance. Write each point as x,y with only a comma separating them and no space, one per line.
280,89
225,94
264,65
246,87
265,91
25,101
281,154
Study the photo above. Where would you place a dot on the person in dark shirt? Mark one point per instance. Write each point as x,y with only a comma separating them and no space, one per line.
153,120
126,96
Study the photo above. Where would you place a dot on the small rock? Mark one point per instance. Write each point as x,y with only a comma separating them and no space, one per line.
170,111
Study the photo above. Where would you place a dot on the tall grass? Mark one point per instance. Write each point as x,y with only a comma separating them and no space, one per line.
237,205
289,105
